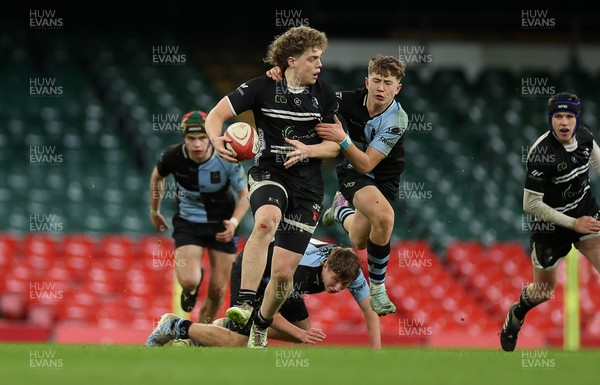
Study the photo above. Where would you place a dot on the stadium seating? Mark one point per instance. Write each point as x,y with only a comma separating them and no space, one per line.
111,280
113,93
459,255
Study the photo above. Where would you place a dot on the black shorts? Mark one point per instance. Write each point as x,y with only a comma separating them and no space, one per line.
293,309
300,213
551,243
201,234
350,181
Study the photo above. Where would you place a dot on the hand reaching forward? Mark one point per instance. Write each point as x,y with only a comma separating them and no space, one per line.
313,335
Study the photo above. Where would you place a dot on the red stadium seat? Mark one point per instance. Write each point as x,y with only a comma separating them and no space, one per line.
80,252
59,272
117,252
503,251
81,306
155,251
17,278
40,250
593,326
10,242
42,314
412,256
10,250
13,305
46,291
111,314
41,244
78,313
461,251
140,283
101,282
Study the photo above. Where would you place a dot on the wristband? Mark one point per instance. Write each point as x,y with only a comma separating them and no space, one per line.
344,144
235,222
153,213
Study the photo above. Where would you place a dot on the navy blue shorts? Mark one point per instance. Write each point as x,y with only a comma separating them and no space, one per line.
201,234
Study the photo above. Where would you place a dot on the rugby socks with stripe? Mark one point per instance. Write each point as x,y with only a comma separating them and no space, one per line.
181,327
246,296
261,322
341,213
378,257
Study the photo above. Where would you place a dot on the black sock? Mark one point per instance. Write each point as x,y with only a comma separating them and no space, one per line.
524,305
183,328
246,296
261,322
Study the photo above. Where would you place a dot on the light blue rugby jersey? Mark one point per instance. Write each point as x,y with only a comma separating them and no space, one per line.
384,132
210,201
315,255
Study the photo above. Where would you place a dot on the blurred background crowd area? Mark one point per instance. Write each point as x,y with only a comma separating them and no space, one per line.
91,94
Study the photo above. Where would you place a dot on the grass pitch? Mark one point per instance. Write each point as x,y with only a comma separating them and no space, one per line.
117,364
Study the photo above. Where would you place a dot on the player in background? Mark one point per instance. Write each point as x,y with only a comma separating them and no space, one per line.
286,182
324,267
369,176
212,198
558,195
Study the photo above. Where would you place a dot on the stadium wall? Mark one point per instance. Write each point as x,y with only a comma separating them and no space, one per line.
472,57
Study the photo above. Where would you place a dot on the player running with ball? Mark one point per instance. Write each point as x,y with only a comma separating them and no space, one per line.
286,181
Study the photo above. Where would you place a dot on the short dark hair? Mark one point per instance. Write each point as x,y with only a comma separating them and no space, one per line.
344,262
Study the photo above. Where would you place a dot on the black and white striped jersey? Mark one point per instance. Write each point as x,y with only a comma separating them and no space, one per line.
560,172
281,113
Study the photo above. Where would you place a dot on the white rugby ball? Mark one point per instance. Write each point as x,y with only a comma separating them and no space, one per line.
244,140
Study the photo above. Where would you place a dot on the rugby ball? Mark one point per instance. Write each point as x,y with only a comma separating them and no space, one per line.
244,140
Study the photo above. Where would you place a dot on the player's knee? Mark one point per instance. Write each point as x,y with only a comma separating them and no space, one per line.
266,220
265,226
383,223
188,283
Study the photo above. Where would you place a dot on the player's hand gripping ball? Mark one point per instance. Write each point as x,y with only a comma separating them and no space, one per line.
244,140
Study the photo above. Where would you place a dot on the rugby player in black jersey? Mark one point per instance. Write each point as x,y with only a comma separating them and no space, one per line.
286,192
558,196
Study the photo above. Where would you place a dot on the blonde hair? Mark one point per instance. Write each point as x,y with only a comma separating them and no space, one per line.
386,66
294,42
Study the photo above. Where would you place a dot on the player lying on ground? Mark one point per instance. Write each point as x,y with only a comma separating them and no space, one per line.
324,267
